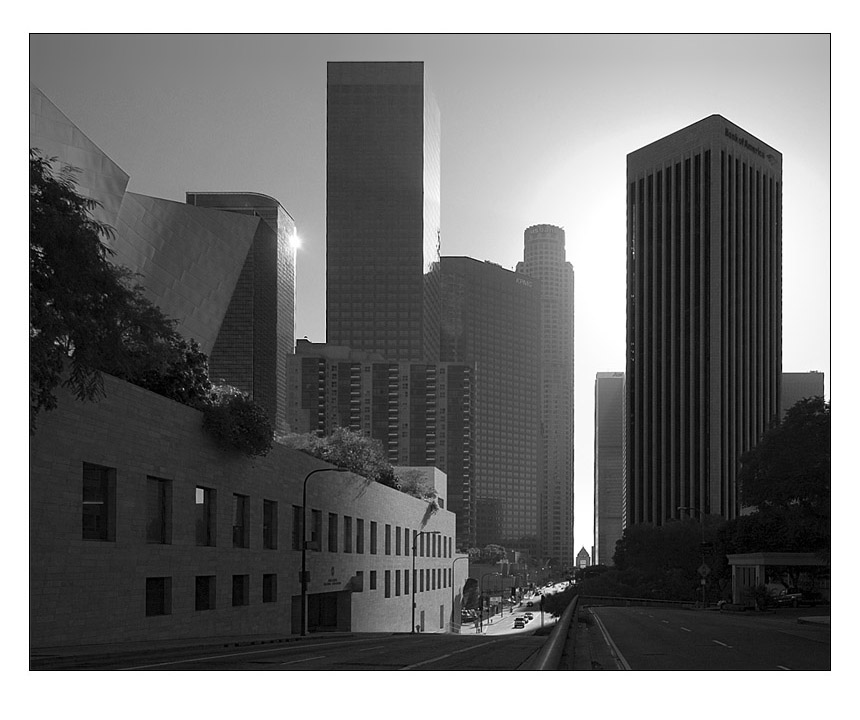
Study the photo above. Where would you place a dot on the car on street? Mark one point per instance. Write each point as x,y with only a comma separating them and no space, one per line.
519,623
529,604
795,597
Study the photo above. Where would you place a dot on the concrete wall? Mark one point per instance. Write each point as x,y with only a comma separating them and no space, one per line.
93,591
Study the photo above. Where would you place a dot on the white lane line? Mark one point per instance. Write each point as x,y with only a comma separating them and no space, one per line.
783,667
665,621
686,629
722,643
619,658
447,655
375,647
279,648
293,662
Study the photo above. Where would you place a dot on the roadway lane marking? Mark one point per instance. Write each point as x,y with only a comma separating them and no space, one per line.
447,655
686,629
783,667
619,658
280,648
665,621
375,647
293,662
722,643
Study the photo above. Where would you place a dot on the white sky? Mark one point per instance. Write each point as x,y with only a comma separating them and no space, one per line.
535,129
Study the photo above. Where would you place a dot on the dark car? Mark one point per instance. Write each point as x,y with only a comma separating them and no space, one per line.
796,597
529,604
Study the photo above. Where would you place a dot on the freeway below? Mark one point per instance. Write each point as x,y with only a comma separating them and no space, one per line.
649,638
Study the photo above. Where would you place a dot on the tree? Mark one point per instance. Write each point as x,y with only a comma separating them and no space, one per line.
236,421
413,482
790,466
347,449
89,316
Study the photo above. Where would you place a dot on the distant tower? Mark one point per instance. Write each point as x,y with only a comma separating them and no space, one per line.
258,331
608,475
491,321
382,210
704,316
544,259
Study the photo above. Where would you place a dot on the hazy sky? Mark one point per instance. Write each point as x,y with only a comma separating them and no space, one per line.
535,129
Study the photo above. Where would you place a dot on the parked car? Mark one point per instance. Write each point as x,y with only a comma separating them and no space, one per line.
796,597
519,623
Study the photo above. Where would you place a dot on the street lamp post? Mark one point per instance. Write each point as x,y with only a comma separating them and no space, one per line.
304,575
414,544
702,523
481,590
465,557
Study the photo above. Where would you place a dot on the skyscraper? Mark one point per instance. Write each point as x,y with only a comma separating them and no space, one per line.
382,210
491,321
544,259
422,413
608,476
704,316
258,331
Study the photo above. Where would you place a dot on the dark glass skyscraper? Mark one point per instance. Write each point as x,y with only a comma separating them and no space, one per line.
382,210
258,331
491,321
704,316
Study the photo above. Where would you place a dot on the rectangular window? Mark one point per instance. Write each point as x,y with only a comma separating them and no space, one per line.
396,583
359,535
420,545
204,516
421,581
359,577
241,521
347,534
373,579
433,579
373,547
316,530
158,510
158,596
98,503
270,588
240,590
332,532
407,541
388,539
270,525
298,522
204,592
388,583
397,542
405,582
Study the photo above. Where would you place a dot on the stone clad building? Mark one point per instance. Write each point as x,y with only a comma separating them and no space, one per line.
141,528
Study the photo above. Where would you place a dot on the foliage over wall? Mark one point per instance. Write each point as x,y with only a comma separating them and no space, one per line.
89,316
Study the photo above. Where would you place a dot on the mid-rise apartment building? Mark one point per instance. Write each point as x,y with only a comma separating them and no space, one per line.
421,413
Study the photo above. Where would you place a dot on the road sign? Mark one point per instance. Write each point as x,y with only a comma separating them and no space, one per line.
704,570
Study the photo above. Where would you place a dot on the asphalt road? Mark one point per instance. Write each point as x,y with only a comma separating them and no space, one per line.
320,652
668,639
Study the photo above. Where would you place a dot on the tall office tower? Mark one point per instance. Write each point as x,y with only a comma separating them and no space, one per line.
382,210
704,316
257,333
420,412
544,259
799,386
608,476
491,321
